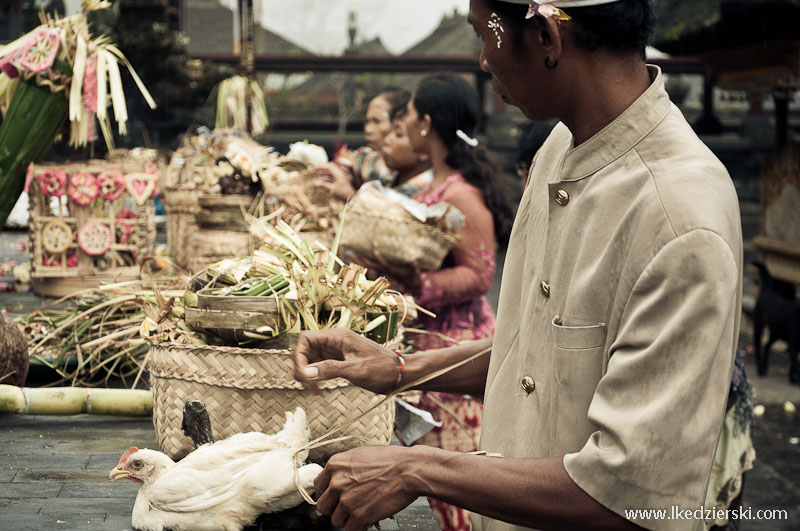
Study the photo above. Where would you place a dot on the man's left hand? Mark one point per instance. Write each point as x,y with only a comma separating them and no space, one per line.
363,486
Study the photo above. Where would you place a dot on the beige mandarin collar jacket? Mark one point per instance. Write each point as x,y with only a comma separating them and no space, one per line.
619,313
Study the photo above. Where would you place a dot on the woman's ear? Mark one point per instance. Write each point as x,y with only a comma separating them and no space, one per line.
426,122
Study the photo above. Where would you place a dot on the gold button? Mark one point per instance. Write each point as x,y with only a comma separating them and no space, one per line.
562,197
545,287
528,385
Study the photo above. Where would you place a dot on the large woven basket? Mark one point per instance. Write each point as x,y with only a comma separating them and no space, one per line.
374,222
400,240
250,390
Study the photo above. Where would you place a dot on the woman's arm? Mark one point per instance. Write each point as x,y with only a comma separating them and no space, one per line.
473,266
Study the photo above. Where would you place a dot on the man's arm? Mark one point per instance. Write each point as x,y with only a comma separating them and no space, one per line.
327,354
368,484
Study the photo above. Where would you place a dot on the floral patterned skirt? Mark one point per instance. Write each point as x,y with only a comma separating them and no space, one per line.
460,415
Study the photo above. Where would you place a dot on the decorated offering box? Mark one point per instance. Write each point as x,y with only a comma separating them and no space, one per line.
90,222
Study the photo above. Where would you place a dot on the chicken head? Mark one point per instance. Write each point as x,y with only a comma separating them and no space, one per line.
141,466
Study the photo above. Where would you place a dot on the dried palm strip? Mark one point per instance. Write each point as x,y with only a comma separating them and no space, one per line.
325,437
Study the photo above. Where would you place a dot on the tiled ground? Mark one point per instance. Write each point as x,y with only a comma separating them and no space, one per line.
54,475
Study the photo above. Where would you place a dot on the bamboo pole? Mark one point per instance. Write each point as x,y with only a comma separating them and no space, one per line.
75,400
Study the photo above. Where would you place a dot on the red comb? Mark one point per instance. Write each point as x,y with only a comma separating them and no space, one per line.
130,451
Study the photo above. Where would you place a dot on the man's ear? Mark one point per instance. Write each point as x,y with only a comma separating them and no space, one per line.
550,38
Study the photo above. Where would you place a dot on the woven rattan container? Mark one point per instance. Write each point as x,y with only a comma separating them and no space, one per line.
400,240
375,221
250,390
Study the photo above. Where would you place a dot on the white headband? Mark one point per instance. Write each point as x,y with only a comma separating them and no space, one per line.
563,3
550,8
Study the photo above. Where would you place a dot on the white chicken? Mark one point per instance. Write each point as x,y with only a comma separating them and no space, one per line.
224,485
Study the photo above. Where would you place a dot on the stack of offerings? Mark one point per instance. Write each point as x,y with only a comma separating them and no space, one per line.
198,233
402,230
216,175
246,313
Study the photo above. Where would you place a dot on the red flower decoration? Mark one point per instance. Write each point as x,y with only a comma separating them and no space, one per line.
83,188
52,182
112,185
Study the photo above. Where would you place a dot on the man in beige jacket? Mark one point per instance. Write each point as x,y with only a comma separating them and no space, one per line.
619,306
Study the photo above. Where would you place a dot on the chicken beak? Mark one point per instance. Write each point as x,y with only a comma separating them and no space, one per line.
119,473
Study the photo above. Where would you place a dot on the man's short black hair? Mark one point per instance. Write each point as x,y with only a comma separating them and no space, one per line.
623,26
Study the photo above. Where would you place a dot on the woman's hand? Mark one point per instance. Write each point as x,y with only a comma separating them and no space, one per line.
336,180
361,487
338,353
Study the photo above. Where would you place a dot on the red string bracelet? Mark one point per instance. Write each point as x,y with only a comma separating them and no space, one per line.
399,378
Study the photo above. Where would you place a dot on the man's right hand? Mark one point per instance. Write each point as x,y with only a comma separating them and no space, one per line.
338,353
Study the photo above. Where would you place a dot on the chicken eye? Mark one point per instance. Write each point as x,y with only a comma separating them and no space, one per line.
136,464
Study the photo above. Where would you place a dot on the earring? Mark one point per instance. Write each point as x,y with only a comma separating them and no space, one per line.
550,66
424,132
496,25
422,158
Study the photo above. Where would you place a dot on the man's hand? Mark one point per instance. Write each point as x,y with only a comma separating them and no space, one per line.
363,486
325,354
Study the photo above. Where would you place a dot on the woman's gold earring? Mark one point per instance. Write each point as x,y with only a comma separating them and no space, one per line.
424,132
422,158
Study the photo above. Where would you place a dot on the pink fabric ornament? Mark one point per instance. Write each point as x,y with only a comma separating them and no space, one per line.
90,85
94,238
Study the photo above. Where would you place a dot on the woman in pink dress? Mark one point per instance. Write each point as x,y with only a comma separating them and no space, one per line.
440,122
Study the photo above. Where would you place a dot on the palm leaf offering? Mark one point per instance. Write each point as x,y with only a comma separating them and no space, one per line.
312,288
56,72
94,335
236,96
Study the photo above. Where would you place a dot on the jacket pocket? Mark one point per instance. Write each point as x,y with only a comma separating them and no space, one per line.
577,355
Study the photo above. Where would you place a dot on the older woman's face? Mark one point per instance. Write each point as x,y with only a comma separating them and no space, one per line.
377,124
510,69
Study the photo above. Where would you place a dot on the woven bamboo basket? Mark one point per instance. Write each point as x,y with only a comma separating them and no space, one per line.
250,390
376,222
400,239
181,207
223,212
229,316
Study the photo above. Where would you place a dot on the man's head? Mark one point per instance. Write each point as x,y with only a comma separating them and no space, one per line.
534,61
